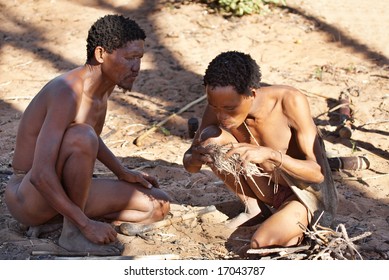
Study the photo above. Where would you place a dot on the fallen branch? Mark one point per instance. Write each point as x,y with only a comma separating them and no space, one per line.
139,139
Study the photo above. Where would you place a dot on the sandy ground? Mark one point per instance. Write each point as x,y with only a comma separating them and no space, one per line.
323,48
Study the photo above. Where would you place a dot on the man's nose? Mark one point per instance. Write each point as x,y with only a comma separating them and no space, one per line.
221,116
136,65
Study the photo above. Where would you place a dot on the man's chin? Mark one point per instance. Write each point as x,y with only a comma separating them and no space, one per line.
228,126
125,88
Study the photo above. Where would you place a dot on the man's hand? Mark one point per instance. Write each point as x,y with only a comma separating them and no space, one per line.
249,153
99,232
201,155
146,180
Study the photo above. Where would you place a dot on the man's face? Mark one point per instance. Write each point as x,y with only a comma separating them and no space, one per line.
122,66
230,108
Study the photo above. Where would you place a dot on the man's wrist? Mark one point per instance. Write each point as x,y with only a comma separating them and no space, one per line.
277,158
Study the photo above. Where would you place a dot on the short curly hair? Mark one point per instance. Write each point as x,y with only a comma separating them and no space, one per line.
235,69
112,32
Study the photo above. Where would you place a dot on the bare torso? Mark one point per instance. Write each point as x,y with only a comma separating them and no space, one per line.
270,127
89,111
278,121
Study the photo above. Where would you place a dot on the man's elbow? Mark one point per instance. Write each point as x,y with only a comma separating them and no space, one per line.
318,178
37,178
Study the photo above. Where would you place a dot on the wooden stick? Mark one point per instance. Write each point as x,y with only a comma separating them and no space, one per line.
64,255
140,138
313,94
278,250
139,257
331,110
69,253
364,178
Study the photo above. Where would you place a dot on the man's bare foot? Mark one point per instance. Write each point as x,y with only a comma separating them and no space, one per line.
36,231
73,240
50,226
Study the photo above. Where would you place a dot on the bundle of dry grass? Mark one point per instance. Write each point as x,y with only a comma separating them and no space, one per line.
234,166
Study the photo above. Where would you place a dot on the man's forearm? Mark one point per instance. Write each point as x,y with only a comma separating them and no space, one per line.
51,189
106,157
304,170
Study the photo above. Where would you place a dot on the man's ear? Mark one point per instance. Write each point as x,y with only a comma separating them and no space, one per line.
253,92
99,54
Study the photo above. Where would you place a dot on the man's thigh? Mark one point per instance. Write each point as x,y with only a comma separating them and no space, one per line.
109,196
25,203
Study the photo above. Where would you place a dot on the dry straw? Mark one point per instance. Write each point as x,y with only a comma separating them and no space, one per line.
233,165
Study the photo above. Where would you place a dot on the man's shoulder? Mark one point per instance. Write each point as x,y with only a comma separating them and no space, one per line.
68,83
281,90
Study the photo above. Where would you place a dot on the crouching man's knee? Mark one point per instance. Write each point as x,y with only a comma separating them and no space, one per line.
159,208
81,138
263,241
215,135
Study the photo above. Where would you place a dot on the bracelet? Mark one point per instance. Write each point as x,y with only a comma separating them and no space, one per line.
282,160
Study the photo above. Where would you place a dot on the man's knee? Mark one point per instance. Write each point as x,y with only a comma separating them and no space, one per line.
265,238
263,241
215,135
81,138
160,206
160,210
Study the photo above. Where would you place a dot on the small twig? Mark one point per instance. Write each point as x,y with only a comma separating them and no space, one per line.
5,84
364,178
288,250
374,122
332,110
313,94
17,98
349,244
363,235
138,140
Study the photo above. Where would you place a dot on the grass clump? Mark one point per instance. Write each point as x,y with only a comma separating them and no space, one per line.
243,7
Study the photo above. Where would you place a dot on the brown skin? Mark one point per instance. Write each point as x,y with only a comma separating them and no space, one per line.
57,146
280,120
